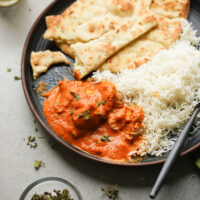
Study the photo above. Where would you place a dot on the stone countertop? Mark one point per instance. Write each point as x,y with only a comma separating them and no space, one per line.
17,123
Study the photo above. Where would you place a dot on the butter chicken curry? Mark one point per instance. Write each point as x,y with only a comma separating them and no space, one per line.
91,117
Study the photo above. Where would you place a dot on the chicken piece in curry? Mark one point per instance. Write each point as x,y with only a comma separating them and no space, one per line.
90,116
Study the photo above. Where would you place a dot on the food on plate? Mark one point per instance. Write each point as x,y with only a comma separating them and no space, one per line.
91,117
167,88
171,8
65,48
97,29
42,60
86,32
145,47
122,112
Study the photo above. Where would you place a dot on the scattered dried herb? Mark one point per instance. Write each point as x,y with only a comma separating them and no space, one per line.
52,145
104,102
86,114
197,163
77,97
57,103
34,121
36,129
99,113
64,195
98,103
105,138
112,192
41,137
31,142
31,139
38,164
9,69
17,78
79,115
41,88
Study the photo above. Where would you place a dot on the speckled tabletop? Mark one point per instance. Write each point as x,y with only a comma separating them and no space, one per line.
17,123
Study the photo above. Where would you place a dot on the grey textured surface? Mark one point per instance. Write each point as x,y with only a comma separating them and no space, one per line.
17,122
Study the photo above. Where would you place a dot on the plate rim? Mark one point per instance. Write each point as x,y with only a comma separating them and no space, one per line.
51,132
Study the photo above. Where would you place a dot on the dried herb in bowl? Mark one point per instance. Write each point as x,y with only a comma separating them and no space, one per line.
64,195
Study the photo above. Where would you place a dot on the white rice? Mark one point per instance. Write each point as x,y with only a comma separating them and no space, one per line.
167,88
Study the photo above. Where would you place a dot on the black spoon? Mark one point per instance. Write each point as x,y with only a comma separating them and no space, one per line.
174,154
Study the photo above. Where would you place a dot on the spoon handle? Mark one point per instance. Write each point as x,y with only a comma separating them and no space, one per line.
173,155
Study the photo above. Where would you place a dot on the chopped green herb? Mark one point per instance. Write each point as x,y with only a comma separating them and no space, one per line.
98,103
17,78
77,97
197,163
71,112
104,102
86,114
36,129
79,115
64,195
112,192
9,69
57,103
38,164
34,121
105,117
105,138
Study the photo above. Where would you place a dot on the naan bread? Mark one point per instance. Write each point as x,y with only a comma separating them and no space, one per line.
93,30
171,8
42,60
144,48
87,31
65,48
89,56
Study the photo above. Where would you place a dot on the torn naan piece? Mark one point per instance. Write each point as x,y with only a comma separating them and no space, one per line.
171,8
145,47
42,60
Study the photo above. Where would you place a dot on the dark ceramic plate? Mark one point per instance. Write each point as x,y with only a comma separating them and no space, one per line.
35,42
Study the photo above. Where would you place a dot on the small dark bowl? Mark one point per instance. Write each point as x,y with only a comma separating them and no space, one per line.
35,42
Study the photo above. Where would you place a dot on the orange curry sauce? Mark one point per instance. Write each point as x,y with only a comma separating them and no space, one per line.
91,117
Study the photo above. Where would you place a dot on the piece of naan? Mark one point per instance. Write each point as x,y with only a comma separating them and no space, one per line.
93,30
144,48
42,60
171,8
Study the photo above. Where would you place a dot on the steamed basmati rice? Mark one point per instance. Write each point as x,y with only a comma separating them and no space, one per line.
167,88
